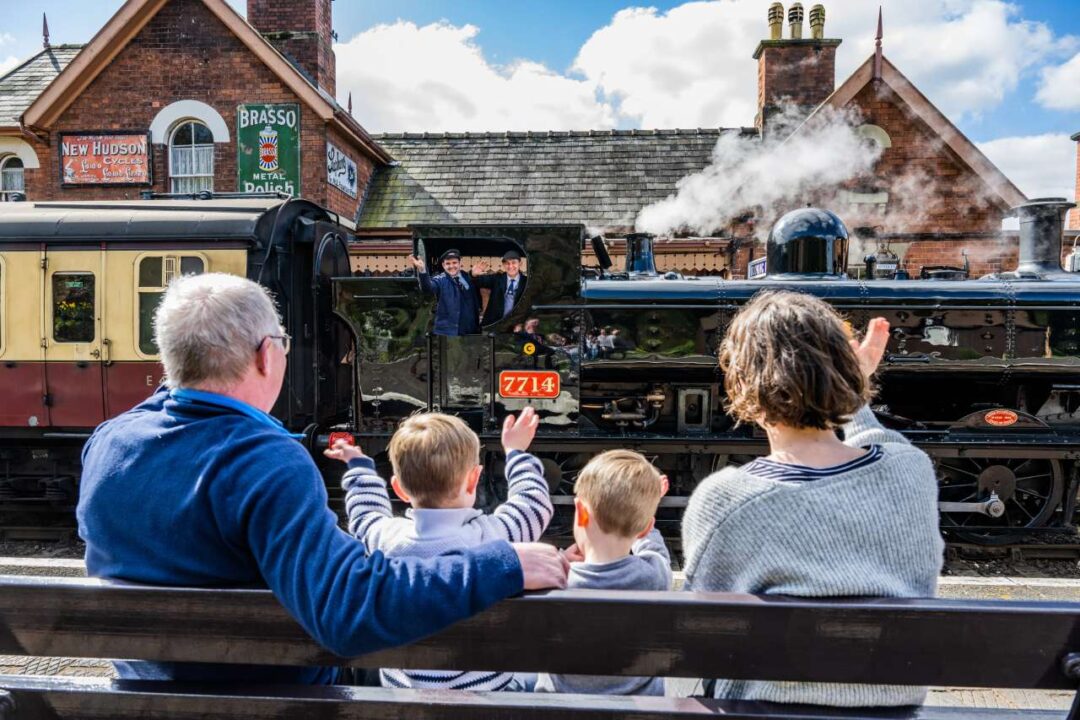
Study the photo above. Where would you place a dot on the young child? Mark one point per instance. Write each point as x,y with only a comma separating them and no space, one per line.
436,465
616,548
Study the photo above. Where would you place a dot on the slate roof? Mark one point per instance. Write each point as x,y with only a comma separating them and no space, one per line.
600,178
21,86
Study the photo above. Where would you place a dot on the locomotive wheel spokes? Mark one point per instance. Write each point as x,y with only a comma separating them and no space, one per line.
1030,490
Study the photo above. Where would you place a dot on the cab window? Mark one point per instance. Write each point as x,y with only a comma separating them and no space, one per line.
73,307
155,272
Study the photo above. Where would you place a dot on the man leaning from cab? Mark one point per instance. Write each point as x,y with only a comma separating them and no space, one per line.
200,486
457,296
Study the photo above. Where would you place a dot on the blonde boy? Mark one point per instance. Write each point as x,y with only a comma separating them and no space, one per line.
436,463
616,548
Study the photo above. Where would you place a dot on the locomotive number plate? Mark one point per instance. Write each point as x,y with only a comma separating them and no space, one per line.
528,384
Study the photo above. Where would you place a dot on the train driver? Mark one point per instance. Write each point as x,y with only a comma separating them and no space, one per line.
506,287
457,309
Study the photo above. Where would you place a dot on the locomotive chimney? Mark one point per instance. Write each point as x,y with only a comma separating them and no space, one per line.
1042,223
639,254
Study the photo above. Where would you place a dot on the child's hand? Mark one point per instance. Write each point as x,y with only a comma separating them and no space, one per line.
343,451
573,554
518,434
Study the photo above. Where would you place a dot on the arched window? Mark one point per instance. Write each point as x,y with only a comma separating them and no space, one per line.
11,177
191,158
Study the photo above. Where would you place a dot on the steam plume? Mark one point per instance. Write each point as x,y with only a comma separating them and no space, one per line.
773,176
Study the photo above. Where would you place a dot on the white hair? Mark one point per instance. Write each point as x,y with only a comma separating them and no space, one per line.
209,326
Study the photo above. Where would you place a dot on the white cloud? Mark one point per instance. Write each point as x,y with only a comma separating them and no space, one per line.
692,66
1040,165
436,78
1060,86
8,63
688,67
6,38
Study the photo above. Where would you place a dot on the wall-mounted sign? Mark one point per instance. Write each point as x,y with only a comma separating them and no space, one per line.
105,158
340,170
756,268
268,148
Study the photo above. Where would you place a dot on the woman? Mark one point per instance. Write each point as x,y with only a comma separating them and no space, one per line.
819,516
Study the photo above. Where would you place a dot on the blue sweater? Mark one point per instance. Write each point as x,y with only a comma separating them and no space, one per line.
204,494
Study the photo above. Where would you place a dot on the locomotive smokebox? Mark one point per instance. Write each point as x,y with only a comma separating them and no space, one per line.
1042,224
809,243
639,254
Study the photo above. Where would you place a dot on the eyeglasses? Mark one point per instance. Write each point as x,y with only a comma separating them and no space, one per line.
285,338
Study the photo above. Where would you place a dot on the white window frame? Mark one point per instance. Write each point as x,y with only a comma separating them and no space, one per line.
6,192
165,255
174,176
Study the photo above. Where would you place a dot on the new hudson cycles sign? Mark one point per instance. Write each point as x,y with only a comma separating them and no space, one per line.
268,148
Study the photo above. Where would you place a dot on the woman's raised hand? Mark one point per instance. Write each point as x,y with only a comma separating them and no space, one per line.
872,348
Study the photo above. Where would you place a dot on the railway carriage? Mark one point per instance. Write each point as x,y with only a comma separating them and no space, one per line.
79,283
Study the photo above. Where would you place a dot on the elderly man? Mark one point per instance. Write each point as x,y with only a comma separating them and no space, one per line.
199,486
457,298
506,287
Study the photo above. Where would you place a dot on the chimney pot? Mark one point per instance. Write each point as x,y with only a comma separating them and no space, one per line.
817,22
795,21
776,21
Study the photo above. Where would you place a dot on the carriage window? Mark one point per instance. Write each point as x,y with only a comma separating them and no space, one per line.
73,307
155,273
11,177
191,158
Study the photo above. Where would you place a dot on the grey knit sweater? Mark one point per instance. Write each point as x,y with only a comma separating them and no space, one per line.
871,531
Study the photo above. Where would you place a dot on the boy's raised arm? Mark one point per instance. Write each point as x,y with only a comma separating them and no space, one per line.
367,504
528,509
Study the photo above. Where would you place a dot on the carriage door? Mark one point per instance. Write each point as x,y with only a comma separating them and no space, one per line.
71,336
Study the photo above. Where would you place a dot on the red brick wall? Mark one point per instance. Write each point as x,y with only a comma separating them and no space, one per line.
803,74
185,53
300,29
337,200
1074,214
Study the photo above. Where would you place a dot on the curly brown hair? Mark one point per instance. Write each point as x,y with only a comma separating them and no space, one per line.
787,360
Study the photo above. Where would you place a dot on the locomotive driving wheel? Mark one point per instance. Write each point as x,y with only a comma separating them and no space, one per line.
1029,491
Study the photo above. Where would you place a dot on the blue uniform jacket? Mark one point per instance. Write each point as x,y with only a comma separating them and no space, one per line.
457,311
211,494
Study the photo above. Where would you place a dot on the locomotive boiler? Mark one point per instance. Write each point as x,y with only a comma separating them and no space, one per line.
984,375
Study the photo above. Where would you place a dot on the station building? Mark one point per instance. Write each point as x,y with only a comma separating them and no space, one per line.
181,96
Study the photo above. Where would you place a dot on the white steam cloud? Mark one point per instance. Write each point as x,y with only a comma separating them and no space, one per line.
772,176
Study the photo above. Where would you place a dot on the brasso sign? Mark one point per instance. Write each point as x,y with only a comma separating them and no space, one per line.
105,158
268,148
340,170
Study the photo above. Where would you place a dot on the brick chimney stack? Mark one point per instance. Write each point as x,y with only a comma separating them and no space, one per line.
796,70
1074,222
302,31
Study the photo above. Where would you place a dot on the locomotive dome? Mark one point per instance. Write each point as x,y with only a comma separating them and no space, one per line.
807,241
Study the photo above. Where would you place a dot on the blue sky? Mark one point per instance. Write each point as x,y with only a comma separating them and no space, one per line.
488,65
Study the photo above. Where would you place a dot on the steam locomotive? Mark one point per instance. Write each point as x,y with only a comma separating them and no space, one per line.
984,375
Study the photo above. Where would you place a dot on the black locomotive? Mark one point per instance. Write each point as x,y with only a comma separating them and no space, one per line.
982,374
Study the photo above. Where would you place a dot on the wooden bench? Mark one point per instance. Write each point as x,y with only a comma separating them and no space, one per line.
924,642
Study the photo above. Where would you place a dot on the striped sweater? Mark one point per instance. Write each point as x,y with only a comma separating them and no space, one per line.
430,532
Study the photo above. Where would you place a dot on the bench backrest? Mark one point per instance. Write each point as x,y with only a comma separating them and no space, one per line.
920,642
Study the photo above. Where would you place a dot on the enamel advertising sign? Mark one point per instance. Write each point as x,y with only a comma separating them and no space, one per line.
340,170
268,148
105,158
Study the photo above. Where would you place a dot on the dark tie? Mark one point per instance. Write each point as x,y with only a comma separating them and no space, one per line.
509,304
